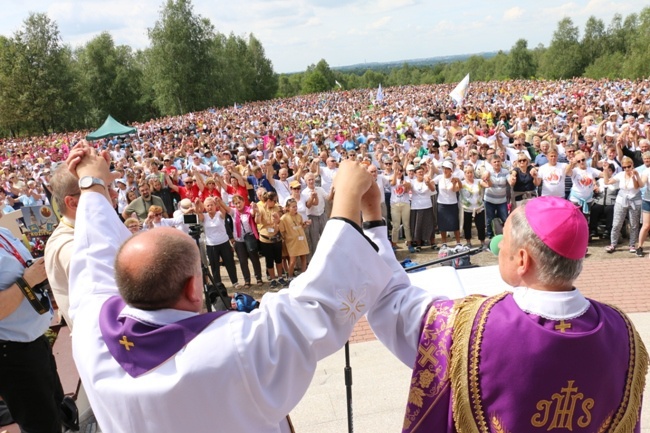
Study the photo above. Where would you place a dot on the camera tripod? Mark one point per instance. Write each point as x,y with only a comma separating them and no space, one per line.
212,292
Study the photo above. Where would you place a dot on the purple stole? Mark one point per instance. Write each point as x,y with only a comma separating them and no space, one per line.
484,365
140,347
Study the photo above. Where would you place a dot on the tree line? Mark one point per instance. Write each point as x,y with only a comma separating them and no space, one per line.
618,50
46,86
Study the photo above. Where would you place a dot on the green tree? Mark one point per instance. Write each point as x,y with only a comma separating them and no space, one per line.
616,35
637,62
181,59
10,118
372,79
264,81
609,65
37,77
111,80
315,82
594,40
563,58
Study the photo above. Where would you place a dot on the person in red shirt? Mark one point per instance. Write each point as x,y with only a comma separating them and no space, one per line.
167,166
237,186
193,185
211,189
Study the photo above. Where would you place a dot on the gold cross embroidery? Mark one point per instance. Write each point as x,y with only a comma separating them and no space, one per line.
427,356
126,343
562,326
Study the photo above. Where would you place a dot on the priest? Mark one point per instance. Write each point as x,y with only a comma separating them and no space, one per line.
543,358
152,363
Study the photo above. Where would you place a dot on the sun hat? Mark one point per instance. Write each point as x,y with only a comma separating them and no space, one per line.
185,206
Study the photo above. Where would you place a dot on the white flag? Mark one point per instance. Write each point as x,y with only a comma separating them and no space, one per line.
380,94
338,84
459,93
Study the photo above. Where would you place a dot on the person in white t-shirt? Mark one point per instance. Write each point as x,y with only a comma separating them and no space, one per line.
218,246
422,224
552,175
327,175
584,181
628,202
448,217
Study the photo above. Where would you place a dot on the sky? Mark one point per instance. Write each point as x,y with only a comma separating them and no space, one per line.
298,33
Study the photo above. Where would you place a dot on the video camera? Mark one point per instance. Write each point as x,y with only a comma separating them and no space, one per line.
192,220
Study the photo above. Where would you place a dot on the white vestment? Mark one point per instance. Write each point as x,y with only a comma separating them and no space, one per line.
243,372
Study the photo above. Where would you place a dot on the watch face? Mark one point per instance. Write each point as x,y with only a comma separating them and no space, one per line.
85,182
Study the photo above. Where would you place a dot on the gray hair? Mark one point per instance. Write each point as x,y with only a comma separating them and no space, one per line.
552,268
63,183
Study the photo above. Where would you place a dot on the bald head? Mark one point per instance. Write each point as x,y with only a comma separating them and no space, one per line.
153,267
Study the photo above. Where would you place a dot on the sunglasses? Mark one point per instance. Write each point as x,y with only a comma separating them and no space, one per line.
157,214
627,166
188,182
581,160
296,188
523,160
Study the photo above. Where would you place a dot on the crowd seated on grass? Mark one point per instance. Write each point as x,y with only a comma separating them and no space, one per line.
583,140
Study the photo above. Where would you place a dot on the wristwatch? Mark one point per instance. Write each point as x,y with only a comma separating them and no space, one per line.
88,181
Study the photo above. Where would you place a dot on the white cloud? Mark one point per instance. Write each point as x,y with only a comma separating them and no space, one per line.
296,33
513,14
380,23
556,13
389,5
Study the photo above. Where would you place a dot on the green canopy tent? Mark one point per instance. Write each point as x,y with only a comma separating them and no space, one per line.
110,128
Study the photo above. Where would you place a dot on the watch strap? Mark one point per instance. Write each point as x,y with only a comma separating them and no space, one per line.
375,223
30,294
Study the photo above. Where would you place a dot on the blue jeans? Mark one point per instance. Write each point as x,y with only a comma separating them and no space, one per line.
494,210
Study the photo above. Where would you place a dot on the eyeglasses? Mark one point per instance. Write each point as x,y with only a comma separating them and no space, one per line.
581,160
189,182
295,188
562,141
627,166
522,160
157,214
570,151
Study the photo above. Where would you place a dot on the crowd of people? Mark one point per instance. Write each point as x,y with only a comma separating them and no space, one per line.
443,166
263,180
